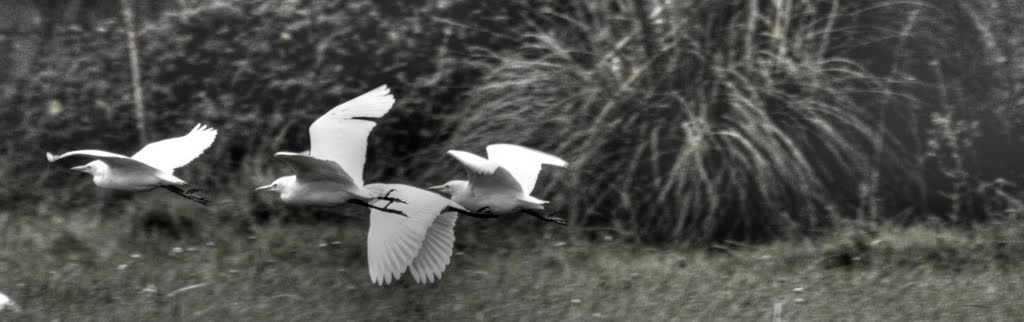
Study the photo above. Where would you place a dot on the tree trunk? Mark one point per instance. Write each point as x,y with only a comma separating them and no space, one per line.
127,8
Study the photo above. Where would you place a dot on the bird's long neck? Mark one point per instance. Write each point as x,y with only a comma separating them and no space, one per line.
99,171
460,191
288,186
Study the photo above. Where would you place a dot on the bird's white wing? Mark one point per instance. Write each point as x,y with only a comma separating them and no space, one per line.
436,252
174,153
340,137
486,176
111,159
523,163
395,243
95,154
309,169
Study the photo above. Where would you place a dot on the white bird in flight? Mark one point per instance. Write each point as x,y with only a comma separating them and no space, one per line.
332,173
421,243
150,168
7,304
502,184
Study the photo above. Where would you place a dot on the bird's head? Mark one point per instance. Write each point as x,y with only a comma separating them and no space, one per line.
451,187
278,185
94,168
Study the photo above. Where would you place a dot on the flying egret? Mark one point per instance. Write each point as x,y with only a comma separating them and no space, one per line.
331,173
420,243
150,168
7,304
502,184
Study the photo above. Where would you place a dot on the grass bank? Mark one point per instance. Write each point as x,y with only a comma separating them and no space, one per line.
82,267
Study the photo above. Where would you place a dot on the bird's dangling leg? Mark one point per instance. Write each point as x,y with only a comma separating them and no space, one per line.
484,212
548,217
190,194
384,209
387,196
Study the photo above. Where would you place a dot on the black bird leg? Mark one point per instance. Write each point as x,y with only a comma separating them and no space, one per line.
387,196
484,212
187,194
548,217
384,209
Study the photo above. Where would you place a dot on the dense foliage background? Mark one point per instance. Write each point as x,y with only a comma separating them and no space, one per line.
683,121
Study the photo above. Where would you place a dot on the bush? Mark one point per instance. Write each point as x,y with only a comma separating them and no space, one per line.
742,119
957,61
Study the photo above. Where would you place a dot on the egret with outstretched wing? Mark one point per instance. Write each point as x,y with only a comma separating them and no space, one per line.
501,184
332,173
150,168
420,240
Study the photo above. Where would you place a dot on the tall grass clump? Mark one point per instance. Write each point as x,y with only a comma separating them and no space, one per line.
693,121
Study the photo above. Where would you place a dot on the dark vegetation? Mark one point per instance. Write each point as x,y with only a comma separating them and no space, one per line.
689,121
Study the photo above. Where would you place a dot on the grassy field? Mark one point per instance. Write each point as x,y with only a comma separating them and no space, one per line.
84,267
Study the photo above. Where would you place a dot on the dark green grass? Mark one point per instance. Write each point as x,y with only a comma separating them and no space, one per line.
65,267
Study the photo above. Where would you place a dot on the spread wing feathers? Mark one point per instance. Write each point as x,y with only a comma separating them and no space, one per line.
125,163
486,176
395,242
392,244
309,169
523,163
436,252
95,154
372,104
338,137
345,144
174,153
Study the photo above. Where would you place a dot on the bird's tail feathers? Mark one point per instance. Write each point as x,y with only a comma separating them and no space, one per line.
531,199
171,179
